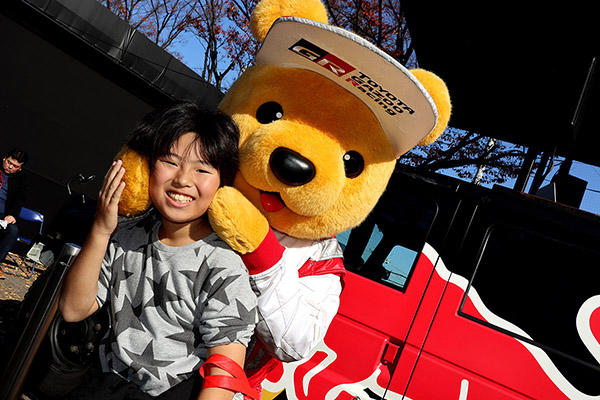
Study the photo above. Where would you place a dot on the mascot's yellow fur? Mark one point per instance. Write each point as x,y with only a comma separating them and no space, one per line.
313,126
314,160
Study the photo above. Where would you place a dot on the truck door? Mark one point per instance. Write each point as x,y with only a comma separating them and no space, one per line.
520,312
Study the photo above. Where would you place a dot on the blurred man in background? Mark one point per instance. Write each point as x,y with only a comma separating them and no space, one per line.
12,198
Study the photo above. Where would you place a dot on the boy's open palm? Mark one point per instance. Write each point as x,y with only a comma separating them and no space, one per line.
108,200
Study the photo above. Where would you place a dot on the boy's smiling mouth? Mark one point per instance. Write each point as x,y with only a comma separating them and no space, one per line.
180,197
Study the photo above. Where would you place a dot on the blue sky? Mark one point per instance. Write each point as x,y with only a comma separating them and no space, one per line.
192,53
400,260
589,173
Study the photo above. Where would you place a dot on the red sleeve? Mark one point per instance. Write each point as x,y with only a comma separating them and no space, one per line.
329,266
266,255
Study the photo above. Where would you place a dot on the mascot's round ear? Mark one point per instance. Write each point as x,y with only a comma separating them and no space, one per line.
135,198
267,11
439,92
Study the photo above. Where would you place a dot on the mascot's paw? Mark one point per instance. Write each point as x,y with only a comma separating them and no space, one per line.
237,221
135,198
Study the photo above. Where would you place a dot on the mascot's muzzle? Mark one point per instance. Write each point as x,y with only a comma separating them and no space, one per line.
290,167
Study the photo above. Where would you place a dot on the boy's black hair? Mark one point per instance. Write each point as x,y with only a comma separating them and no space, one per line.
17,155
216,133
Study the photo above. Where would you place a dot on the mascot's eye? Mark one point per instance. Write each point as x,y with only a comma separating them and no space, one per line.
353,164
269,112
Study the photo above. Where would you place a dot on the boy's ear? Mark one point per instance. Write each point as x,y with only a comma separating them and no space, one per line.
135,198
441,97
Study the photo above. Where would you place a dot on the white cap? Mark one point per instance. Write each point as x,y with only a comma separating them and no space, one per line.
403,107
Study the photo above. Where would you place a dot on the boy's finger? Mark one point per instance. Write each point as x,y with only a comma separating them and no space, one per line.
110,175
104,180
114,184
107,174
117,194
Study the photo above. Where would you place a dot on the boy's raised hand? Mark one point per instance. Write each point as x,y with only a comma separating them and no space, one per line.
108,200
78,298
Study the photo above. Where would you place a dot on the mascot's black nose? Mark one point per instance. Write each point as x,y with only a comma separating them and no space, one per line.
290,167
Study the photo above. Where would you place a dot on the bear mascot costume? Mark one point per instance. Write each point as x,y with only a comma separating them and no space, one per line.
323,115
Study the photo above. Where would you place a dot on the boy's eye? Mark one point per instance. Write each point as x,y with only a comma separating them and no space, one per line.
169,162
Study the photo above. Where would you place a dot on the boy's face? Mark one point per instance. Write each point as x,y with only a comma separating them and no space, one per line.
182,184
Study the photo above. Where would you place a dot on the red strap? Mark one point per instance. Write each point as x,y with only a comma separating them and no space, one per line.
237,383
265,364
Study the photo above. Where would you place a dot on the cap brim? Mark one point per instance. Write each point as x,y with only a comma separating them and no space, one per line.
403,107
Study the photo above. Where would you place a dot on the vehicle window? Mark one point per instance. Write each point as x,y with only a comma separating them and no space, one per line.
534,286
374,239
396,265
385,246
399,262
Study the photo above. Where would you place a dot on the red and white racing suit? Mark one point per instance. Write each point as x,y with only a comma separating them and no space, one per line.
298,285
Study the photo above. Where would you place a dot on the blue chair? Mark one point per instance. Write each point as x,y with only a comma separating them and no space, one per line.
30,215
33,216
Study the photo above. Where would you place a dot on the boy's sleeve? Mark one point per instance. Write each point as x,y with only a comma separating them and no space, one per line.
230,314
106,274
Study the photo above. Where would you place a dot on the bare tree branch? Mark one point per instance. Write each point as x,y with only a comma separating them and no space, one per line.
222,29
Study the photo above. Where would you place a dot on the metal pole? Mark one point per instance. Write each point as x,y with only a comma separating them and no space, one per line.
538,179
37,325
526,168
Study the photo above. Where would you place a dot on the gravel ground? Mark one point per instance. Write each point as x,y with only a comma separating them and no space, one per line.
16,280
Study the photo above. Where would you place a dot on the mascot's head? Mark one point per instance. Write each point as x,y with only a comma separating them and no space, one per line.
323,116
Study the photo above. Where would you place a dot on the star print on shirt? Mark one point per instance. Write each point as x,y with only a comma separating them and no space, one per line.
147,361
138,310
162,295
197,275
218,289
121,275
126,318
138,299
156,255
184,324
172,380
106,343
186,337
168,296
245,317
196,339
193,275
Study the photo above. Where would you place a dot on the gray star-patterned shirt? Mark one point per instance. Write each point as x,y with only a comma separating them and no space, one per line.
169,304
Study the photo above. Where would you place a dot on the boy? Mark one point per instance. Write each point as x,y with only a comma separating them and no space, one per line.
177,293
